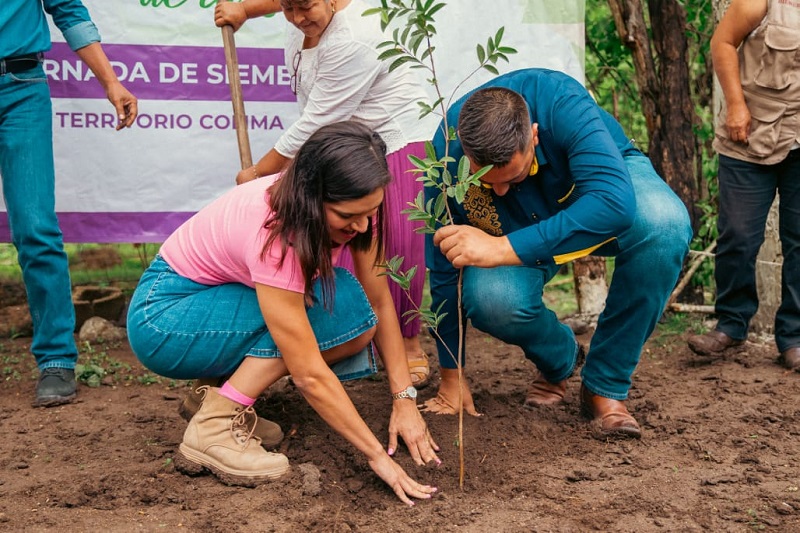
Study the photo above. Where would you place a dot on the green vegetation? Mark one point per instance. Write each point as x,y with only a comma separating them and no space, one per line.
91,264
611,78
93,366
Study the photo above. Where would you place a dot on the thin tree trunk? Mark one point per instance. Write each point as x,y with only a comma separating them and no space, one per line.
591,289
664,90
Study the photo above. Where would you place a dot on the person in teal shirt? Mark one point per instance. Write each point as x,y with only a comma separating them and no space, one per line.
565,183
28,174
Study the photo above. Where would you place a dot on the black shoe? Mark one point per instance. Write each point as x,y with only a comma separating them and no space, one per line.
56,387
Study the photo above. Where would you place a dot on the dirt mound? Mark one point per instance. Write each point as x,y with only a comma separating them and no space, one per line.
720,452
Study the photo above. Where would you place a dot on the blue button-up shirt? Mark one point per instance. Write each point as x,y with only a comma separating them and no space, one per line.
24,30
579,201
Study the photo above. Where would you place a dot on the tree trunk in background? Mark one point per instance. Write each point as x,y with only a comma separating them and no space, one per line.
770,258
664,89
591,289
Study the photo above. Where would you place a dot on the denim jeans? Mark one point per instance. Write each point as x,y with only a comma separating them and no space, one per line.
185,330
28,176
746,193
506,302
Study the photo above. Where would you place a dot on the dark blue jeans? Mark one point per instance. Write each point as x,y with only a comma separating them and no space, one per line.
28,176
746,193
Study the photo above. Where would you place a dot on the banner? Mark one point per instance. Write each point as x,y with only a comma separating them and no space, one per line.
139,184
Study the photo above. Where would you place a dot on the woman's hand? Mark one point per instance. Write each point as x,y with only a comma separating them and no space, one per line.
230,14
400,482
407,422
247,174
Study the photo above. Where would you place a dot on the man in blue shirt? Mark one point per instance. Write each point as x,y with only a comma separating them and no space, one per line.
28,174
566,182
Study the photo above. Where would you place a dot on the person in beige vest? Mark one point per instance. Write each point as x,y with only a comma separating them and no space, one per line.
756,55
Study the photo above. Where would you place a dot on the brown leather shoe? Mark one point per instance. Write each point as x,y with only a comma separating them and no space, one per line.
543,393
712,343
611,416
791,358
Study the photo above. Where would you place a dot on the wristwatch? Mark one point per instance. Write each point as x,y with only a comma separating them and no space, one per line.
409,392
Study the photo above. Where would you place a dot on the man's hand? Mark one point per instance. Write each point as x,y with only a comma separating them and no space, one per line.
467,246
124,103
738,122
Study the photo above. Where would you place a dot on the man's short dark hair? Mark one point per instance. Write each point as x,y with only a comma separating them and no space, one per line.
493,125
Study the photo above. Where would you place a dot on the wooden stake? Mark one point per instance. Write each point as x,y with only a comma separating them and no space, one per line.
239,118
696,262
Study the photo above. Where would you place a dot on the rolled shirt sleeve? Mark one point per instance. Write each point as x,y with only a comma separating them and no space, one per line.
74,22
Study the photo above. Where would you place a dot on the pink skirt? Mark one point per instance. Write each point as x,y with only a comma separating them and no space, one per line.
401,239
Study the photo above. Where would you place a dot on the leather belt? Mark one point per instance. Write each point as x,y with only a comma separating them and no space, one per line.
16,64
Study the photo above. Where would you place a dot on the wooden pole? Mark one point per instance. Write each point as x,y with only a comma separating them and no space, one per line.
239,118
695,264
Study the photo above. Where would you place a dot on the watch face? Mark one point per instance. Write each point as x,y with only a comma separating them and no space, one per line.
412,392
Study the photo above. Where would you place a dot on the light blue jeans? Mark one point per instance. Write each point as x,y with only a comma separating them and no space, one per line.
185,330
506,302
28,176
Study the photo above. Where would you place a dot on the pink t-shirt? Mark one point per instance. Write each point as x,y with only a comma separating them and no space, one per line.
222,243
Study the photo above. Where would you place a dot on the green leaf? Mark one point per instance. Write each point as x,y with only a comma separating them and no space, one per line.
491,69
400,61
499,35
463,168
447,178
404,37
481,53
435,8
416,42
481,171
417,162
441,205
430,151
386,54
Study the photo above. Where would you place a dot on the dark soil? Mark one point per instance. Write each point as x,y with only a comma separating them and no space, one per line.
720,452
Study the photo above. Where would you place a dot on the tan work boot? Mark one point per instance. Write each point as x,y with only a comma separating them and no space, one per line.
220,438
268,431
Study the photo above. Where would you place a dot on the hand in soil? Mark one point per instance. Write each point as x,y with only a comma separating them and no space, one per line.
407,422
400,482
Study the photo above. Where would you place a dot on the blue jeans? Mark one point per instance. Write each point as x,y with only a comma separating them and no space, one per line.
185,330
746,192
28,175
647,267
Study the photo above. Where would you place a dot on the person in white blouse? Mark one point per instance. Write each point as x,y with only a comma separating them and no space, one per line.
331,51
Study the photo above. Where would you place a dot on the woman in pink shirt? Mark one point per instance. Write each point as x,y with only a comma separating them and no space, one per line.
246,288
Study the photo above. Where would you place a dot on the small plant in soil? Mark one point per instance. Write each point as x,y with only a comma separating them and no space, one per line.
411,44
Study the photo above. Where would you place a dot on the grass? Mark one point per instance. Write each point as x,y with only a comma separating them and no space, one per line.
131,260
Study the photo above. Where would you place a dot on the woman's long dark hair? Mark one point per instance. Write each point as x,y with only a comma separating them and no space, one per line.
340,162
